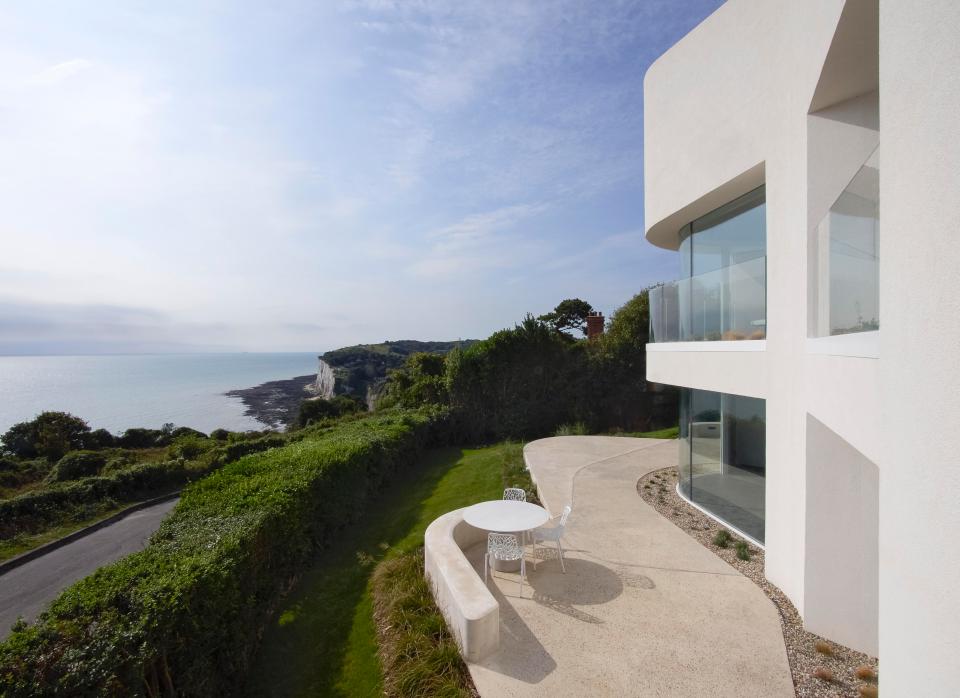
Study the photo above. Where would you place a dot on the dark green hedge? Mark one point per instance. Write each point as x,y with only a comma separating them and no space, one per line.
184,615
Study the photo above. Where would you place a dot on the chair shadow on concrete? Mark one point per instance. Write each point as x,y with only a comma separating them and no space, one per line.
521,655
585,583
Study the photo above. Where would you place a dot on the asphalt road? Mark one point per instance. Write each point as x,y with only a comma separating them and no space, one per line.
26,590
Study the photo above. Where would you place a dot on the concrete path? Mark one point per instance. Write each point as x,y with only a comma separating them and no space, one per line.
26,590
643,609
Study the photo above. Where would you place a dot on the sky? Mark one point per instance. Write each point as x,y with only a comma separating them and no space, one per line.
299,176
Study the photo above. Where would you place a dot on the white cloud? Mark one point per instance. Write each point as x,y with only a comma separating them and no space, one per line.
59,72
478,242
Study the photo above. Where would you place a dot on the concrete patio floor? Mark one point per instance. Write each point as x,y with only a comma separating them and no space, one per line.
643,609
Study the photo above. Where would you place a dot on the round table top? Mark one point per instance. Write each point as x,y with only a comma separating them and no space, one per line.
505,516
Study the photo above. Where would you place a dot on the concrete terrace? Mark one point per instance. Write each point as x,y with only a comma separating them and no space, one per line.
643,610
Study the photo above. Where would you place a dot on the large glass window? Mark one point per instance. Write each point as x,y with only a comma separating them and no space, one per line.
846,293
722,292
723,457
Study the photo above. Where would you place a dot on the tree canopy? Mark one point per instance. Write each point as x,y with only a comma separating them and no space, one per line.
570,314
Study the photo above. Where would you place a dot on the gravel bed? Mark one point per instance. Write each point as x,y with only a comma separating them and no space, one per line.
820,668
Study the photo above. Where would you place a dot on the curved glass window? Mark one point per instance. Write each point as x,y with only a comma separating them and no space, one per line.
722,465
722,292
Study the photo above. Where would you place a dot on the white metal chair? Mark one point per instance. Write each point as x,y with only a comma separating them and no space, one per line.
552,534
515,494
504,547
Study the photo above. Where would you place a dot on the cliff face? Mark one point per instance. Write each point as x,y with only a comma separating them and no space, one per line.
361,370
326,381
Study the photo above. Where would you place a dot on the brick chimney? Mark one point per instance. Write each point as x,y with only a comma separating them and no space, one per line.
594,324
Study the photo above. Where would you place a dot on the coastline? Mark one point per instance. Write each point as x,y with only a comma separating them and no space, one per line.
275,403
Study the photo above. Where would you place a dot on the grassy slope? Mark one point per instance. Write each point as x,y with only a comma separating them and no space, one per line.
323,641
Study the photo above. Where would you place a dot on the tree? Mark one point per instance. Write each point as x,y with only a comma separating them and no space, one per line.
570,314
420,381
49,434
318,408
619,393
517,383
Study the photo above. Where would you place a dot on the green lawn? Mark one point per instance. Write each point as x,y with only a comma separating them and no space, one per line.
668,433
323,640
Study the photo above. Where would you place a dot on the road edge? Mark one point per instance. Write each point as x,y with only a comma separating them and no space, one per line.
42,550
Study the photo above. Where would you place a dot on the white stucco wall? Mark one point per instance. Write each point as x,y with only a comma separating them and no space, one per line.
920,338
729,107
733,93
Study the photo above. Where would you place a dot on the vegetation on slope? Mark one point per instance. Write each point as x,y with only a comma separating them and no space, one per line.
360,370
182,616
324,640
526,381
56,472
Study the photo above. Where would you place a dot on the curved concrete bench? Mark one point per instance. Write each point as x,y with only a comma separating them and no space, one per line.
469,608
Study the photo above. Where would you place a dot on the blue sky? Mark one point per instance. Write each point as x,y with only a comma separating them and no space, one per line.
297,176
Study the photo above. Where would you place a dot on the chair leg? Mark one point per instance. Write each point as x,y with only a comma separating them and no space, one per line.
486,562
523,573
533,539
560,551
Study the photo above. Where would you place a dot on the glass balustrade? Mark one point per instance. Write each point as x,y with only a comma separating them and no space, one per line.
726,304
845,296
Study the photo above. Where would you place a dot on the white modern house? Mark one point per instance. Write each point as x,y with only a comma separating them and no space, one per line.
803,158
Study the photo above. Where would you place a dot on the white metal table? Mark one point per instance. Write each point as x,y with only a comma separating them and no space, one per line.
506,516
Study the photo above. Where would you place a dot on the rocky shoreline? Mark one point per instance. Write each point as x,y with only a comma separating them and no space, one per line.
275,403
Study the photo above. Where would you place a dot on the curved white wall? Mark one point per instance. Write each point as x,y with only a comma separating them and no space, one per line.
731,102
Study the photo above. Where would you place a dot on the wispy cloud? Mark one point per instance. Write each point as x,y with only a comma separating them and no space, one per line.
58,73
367,158
478,242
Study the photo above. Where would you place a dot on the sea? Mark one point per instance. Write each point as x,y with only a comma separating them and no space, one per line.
117,392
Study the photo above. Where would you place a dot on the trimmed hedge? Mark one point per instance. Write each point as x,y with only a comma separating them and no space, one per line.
183,616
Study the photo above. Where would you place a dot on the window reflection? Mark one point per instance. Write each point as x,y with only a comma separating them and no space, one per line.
847,289
723,457
722,292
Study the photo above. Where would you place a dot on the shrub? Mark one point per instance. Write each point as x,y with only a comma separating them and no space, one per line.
314,410
420,381
743,550
517,383
120,481
190,446
69,501
220,434
180,432
319,409
99,438
77,464
418,653
185,613
237,449
722,539
139,437
823,674
575,429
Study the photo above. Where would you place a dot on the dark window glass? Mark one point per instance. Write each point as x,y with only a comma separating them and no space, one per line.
723,457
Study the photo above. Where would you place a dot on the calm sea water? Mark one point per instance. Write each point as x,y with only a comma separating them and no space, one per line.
119,392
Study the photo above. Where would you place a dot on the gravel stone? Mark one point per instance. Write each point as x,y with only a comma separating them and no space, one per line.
805,659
